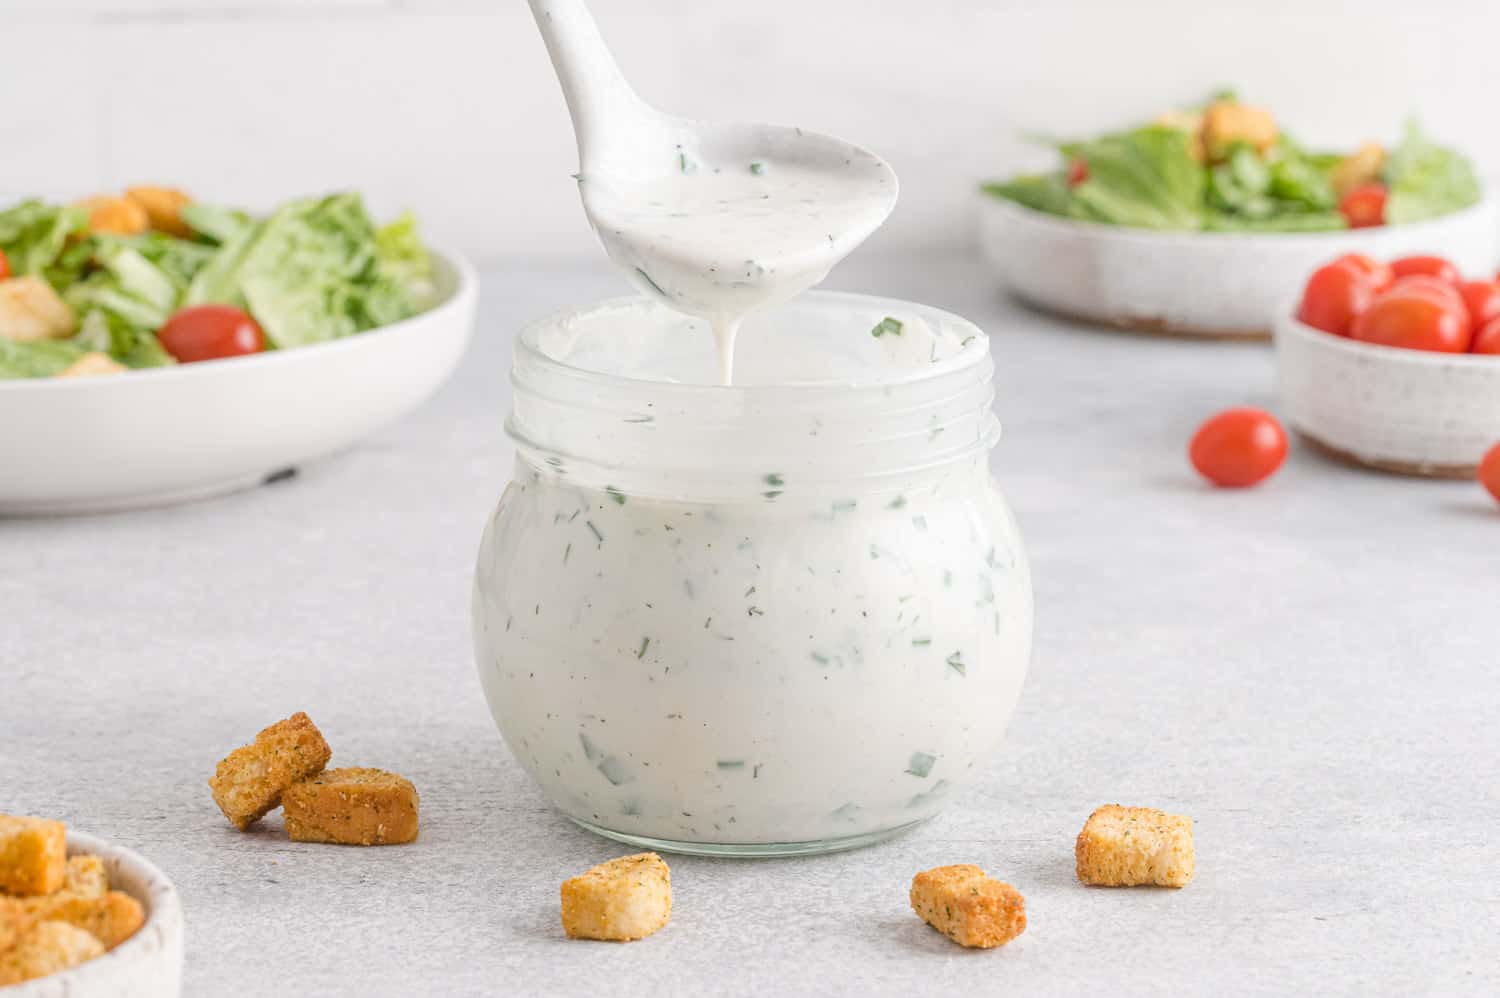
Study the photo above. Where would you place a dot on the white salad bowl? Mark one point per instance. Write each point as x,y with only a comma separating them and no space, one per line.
1210,284
163,435
149,963
1409,411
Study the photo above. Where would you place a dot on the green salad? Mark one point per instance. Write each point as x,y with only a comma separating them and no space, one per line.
153,278
1227,166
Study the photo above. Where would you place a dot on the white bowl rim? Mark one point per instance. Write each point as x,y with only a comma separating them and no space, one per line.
1288,323
164,908
1128,233
463,289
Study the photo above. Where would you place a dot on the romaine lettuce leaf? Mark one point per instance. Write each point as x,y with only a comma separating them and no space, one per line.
1426,180
33,236
1145,178
36,358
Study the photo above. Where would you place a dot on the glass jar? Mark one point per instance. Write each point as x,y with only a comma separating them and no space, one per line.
787,616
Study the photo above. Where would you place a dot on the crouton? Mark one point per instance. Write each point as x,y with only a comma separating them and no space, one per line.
85,877
91,364
249,782
47,948
968,906
163,207
111,919
625,899
1131,846
15,919
31,310
363,807
1228,122
115,215
1361,167
33,855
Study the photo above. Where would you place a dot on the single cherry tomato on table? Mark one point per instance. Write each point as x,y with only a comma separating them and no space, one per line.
208,332
1334,295
1078,172
1487,339
1434,266
1364,206
1380,274
1238,447
1415,318
1482,299
1489,472
4,266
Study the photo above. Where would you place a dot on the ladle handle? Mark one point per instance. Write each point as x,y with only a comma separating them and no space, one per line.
600,101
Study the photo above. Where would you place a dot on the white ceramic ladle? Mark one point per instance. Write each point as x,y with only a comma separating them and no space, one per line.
713,219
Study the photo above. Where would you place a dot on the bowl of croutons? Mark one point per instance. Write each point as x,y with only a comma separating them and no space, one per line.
82,918
1203,221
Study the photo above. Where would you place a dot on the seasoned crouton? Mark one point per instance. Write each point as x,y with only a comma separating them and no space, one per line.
33,855
47,948
967,906
249,782
85,877
1228,122
1361,167
31,310
363,807
92,364
624,899
111,919
115,215
1130,846
15,919
163,207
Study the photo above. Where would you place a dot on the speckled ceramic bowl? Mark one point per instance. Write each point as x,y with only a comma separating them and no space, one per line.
1208,284
149,963
1407,411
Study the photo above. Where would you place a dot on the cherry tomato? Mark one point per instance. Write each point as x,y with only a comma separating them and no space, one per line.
1078,172
1380,274
1417,319
1489,472
1238,447
1436,266
1482,299
1487,340
208,332
1334,295
4,266
1364,207
1426,284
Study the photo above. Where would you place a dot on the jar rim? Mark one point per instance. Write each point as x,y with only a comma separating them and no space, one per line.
974,351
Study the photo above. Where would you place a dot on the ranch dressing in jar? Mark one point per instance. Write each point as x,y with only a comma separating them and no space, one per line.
788,616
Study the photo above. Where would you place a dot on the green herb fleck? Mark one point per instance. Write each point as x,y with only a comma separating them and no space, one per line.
567,551
772,494
594,530
756,611
921,764
654,286
642,419
820,658
645,643
615,494
591,752
614,771
956,663
774,479
757,168
921,642
897,503
886,326
730,764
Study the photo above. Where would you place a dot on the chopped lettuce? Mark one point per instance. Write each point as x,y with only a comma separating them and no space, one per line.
1426,180
34,235
36,358
1145,178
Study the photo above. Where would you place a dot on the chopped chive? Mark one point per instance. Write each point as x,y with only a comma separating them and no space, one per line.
645,643
594,530
921,642
772,494
615,494
921,764
755,773
756,611
886,326
774,479
730,763
567,551
820,658
966,341
614,771
897,503
956,663
654,286
757,168
643,419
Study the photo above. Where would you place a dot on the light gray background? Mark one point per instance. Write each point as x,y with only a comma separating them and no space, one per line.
1308,669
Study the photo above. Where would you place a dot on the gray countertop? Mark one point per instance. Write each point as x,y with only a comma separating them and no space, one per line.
1308,669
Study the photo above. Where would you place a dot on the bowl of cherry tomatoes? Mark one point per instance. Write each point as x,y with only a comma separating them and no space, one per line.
1394,365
